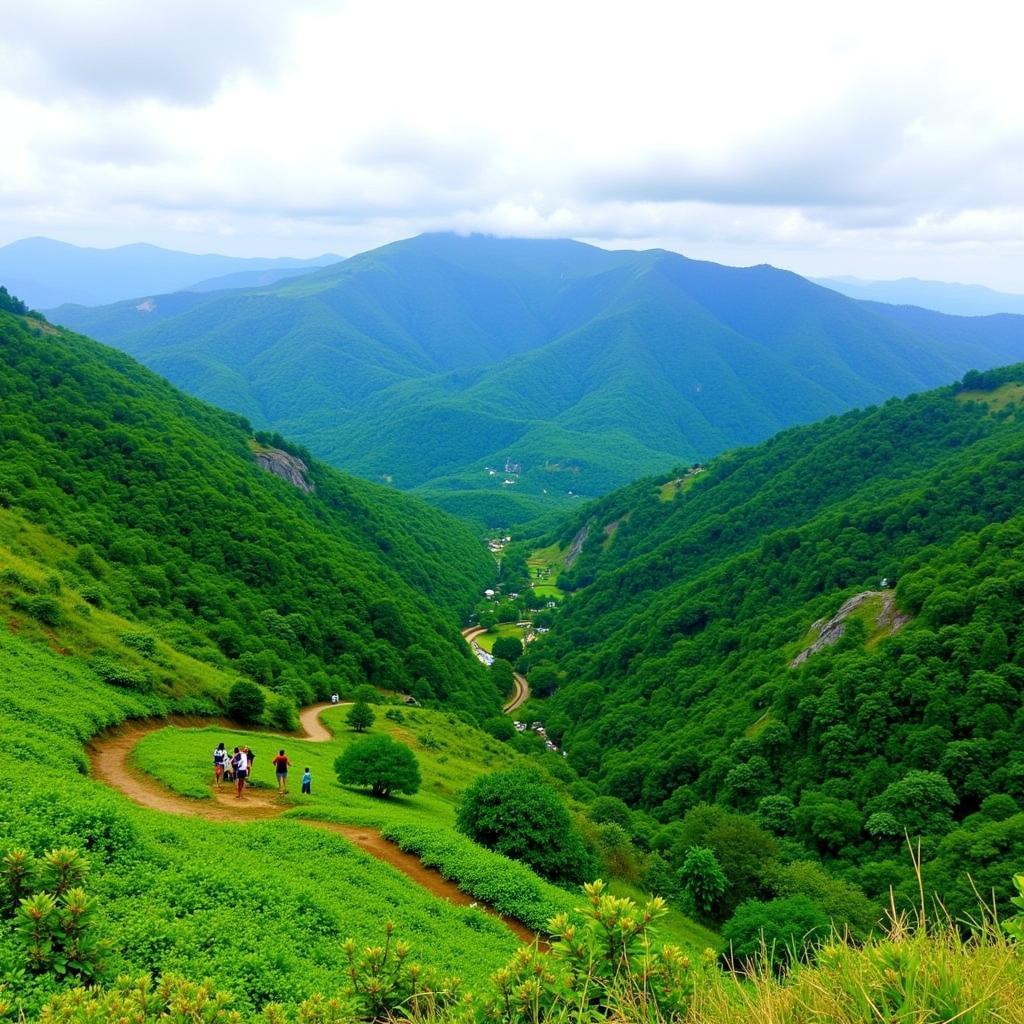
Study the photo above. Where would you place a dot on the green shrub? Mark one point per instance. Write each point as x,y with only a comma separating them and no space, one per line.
144,643
245,701
111,671
517,815
281,713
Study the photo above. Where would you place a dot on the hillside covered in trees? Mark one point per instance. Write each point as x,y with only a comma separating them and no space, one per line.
302,589
504,377
682,687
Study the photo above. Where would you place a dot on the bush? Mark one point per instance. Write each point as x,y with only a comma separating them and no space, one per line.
782,928
703,879
382,764
144,643
113,672
45,609
281,713
500,727
245,701
513,813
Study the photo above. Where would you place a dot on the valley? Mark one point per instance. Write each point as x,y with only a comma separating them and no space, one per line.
738,684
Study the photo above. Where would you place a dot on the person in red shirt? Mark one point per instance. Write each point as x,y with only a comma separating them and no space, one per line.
281,764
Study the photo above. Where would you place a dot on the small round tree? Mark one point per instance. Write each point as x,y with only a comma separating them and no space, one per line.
360,716
380,763
245,701
513,813
509,648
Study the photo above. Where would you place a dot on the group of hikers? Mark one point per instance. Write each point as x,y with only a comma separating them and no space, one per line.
237,767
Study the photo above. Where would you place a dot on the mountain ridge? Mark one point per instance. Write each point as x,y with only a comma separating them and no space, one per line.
433,361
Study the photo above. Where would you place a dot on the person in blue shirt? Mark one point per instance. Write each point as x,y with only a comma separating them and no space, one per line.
307,782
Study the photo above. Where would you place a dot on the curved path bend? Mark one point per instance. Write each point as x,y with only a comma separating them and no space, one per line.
110,755
521,693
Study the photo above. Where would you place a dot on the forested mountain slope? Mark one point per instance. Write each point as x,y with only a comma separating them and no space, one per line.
178,525
677,652
433,362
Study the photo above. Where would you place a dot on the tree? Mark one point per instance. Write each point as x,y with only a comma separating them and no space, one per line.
382,764
245,701
922,803
515,814
703,879
360,716
366,694
509,648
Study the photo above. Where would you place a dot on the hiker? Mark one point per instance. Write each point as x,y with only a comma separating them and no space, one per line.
220,756
307,782
251,758
335,698
281,764
240,764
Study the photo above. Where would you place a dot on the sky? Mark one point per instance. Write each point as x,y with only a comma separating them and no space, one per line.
877,139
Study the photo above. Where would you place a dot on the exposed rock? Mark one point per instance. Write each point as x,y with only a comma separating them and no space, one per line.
830,631
577,546
286,466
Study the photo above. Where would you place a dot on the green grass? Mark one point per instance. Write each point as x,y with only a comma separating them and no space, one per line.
680,485
996,399
449,751
545,566
486,640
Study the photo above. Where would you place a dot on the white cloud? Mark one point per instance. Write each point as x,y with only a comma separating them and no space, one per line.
882,140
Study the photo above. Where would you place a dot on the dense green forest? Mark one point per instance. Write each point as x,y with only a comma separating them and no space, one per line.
434,363
174,523
678,689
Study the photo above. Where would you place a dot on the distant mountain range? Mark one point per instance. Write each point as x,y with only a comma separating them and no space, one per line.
942,296
502,377
44,272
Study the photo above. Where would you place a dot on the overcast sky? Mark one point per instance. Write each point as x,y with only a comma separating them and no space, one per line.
881,140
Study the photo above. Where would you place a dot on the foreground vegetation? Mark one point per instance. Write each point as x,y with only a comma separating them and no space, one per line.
606,963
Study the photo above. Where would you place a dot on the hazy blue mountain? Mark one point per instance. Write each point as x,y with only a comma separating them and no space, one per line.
250,278
45,272
433,362
942,296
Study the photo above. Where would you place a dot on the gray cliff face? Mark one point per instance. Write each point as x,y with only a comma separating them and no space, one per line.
286,466
577,546
830,631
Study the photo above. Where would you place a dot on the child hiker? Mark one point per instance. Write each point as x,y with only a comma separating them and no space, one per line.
307,781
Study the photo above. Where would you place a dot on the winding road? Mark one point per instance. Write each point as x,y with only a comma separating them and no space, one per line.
110,756
522,688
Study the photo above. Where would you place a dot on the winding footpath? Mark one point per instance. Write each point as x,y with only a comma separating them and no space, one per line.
110,755
522,687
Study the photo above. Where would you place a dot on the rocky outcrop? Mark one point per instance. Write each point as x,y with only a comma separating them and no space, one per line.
889,618
286,466
577,546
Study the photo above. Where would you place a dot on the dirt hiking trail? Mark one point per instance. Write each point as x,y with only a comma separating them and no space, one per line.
110,756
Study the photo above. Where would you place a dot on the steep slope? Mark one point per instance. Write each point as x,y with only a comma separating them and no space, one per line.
433,362
45,272
679,651
304,591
